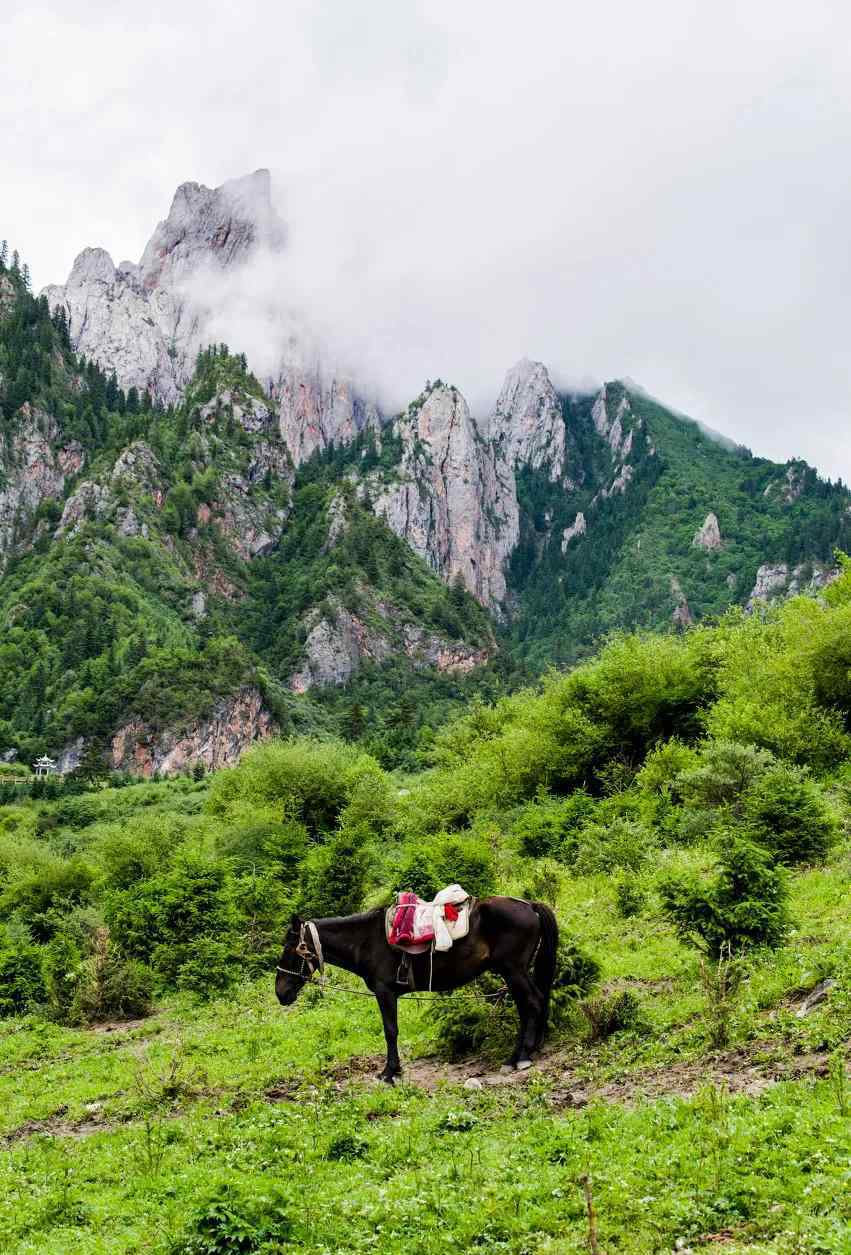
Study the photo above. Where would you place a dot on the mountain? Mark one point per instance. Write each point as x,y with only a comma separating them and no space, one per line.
192,556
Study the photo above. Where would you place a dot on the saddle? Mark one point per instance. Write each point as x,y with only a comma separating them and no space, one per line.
415,926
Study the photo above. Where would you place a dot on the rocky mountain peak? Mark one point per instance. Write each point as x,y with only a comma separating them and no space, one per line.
528,418
142,321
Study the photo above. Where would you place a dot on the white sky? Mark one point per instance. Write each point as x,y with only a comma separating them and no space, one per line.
657,190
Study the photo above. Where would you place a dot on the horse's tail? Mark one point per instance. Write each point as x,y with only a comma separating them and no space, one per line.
544,971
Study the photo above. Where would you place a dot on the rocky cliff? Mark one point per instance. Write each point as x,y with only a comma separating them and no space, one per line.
216,740
146,321
36,466
454,499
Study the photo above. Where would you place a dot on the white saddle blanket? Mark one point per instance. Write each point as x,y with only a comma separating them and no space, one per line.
430,923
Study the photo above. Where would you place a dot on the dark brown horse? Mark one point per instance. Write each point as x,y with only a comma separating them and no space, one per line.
516,939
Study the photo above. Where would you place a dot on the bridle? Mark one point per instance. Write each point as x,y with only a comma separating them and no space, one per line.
312,961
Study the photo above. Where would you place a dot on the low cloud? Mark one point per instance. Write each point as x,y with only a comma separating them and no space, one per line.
651,191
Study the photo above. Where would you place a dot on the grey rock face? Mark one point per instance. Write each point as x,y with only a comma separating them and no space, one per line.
139,320
35,469
528,419
316,410
577,528
216,740
775,579
708,535
337,646
455,500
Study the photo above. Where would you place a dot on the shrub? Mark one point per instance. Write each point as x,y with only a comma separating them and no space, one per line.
744,905
205,967
310,780
334,877
786,812
62,972
40,897
274,844
468,861
346,1147
549,827
621,843
418,874
544,882
110,987
236,1222
158,920
724,774
612,1013
630,896
20,974
576,975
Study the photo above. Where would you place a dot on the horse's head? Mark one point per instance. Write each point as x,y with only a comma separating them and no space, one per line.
297,963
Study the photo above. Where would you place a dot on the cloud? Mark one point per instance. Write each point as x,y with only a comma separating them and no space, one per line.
655,191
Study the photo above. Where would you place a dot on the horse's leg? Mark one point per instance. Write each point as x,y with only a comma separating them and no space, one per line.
388,1005
530,1006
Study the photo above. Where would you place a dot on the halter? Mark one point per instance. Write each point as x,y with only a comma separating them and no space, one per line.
311,961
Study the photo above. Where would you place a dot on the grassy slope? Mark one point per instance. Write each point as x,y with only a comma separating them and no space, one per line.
619,574
114,1137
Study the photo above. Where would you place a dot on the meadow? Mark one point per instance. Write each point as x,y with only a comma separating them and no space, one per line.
683,803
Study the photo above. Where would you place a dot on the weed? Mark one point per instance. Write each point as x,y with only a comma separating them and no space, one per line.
720,981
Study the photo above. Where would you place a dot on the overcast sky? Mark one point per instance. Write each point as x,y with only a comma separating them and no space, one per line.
657,190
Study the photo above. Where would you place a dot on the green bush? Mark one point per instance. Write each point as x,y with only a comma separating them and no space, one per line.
236,1221
612,1013
630,896
744,905
549,827
205,967
334,877
787,813
310,781
20,973
724,774
621,843
110,987
63,974
158,920
40,897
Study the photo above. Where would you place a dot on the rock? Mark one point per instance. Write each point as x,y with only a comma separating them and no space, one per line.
337,646
708,535
455,500
774,579
528,420
36,467
613,419
71,756
147,322
317,409
577,528
681,616
473,1082
815,996
216,740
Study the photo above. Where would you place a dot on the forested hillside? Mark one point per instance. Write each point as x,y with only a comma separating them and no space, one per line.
180,581
681,799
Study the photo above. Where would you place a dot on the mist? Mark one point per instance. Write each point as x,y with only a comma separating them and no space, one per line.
653,191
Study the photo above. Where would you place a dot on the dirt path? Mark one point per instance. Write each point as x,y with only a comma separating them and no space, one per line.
743,1071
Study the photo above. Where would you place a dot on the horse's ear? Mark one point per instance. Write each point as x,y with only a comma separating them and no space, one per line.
296,921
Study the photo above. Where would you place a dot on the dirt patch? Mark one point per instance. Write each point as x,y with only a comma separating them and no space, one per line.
747,1071
57,1125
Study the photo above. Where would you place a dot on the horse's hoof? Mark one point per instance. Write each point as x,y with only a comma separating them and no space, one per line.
523,1065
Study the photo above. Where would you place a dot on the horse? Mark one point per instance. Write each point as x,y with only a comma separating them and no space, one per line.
516,939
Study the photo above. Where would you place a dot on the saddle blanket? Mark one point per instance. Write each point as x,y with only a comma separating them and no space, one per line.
416,926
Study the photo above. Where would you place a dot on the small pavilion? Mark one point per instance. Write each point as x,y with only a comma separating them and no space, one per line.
44,766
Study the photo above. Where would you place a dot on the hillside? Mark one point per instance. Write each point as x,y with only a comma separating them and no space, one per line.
682,800
183,578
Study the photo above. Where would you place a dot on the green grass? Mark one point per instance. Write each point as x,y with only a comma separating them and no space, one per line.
113,1138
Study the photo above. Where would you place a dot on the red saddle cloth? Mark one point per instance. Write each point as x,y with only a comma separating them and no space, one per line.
403,930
